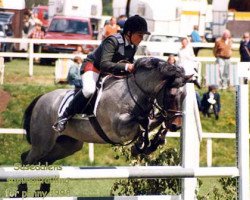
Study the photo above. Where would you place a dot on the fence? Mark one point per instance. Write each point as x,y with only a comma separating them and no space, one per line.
31,55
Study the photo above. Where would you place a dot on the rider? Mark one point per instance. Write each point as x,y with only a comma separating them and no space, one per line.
106,59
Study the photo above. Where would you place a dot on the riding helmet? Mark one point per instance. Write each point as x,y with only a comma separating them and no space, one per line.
136,24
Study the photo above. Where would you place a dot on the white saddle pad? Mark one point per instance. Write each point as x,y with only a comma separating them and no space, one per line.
70,95
65,101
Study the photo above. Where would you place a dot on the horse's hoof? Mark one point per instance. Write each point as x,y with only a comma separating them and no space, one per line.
134,151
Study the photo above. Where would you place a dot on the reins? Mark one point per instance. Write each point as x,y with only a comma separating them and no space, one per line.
151,98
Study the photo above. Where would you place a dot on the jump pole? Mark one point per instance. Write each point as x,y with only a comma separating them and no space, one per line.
242,138
190,141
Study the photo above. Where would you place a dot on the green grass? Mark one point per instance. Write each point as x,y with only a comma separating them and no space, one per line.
24,88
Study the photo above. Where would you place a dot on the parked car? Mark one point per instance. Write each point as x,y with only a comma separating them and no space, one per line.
159,44
67,28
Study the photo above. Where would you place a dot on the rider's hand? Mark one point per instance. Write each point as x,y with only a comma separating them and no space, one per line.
129,67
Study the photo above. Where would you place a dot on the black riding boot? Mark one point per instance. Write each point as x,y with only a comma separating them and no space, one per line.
77,105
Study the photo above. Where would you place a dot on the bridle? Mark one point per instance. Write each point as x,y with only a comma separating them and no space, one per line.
165,116
151,99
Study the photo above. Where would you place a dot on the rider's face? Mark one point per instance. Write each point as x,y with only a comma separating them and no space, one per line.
136,38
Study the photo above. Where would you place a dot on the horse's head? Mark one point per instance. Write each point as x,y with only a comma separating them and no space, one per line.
172,104
168,82
170,91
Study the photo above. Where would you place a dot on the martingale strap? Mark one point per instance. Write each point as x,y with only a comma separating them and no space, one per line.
98,129
95,124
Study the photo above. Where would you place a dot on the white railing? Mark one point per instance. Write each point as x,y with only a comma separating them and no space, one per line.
31,55
205,135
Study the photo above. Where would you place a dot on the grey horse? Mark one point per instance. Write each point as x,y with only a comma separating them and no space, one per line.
124,104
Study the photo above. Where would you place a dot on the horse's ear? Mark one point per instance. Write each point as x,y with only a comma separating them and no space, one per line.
189,79
155,61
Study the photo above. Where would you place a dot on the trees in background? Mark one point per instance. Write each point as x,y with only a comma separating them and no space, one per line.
32,3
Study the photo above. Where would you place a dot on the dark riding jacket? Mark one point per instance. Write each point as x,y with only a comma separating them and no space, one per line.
244,54
205,105
110,52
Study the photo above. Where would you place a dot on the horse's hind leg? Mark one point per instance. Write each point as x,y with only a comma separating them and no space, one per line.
30,157
22,188
63,147
24,156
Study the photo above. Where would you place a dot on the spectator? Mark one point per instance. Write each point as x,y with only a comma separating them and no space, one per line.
198,100
111,28
121,21
34,19
186,58
79,50
26,24
210,102
74,77
37,33
223,51
171,60
195,37
245,48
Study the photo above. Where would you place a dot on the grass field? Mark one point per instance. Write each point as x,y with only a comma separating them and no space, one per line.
24,88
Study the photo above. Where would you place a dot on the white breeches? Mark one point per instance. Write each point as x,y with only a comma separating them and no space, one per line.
89,80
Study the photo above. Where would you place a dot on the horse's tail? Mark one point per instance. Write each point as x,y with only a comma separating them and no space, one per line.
27,117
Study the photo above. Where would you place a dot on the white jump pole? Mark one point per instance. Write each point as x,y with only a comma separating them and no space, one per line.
190,142
242,136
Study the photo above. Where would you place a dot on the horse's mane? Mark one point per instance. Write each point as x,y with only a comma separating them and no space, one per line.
148,63
173,73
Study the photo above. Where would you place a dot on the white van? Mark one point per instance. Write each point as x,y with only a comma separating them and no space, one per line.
159,44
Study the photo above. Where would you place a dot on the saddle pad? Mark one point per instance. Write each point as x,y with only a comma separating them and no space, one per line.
65,102
70,95
99,94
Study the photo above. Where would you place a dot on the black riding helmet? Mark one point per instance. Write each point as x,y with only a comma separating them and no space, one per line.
136,24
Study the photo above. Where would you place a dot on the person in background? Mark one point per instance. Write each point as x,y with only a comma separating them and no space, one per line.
171,60
26,24
186,58
34,19
121,21
223,51
74,77
195,37
210,102
245,48
37,33
79,50
106,59
111,28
